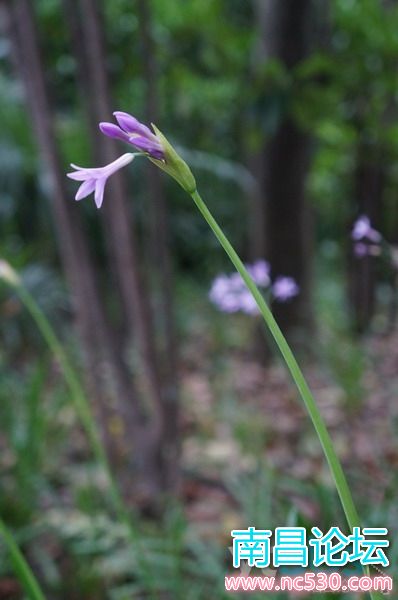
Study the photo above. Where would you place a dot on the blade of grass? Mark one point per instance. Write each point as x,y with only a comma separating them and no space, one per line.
84,413
20,565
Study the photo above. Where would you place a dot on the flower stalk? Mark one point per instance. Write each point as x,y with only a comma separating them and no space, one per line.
168,160
295,371
333,461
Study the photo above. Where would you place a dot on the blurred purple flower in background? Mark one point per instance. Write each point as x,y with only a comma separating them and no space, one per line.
130,130
260,272
230,294
366,238
94,180
220,294
361,250
285,288
363,230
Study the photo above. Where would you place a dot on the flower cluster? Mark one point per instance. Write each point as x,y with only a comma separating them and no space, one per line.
369,242
366,238
152,144
230,294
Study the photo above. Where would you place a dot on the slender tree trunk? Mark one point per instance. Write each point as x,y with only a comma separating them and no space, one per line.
369,180
117,216
256,207
162,261
87,30
108,381
285,30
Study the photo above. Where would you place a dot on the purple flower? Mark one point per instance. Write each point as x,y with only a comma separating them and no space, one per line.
230,294
94,180
285,288
361,250
130,130
248,304
363,230
225,292
259,271
219,288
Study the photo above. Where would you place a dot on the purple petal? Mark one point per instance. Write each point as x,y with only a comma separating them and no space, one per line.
152,148
77,176
374,236
248,304
86,188
361,228
229,304
285,288
113,131
83,173
360,249
99,191
156,153
260,272
131,125
117,164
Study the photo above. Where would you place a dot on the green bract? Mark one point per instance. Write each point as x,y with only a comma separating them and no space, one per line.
173,164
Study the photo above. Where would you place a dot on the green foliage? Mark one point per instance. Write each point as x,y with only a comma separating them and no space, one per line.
216,99
25,423
347,99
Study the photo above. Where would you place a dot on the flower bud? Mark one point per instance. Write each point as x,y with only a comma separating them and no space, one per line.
173,164
8,274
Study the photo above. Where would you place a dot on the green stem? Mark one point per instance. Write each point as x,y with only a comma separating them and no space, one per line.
295,371
21,567
72,381
84,413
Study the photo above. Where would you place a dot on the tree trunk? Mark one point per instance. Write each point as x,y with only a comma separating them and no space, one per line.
161,260
91,58
286,158
108,380
369,180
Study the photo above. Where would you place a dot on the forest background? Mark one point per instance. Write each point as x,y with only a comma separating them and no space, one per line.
287,114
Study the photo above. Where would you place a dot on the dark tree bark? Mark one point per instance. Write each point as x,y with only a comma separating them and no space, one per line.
87,29
285,33
108,380
256,210
161,259
134,443
369,182
116,215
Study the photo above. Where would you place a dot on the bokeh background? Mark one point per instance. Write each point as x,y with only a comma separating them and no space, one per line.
287,114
